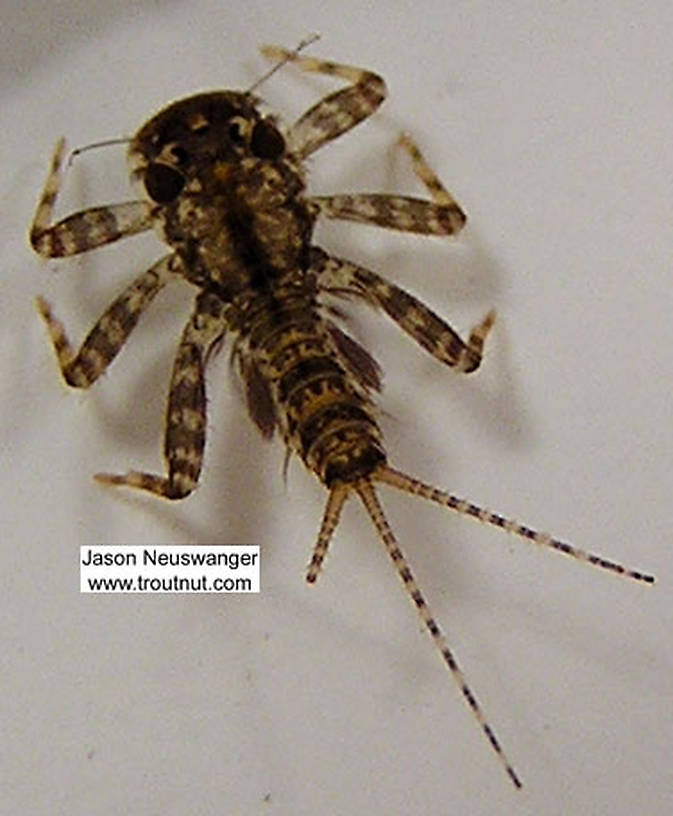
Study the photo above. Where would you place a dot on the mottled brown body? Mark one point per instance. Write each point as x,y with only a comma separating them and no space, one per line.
242,228
323,413
224,187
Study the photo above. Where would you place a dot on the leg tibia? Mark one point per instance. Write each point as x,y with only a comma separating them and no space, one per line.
82,368
84,230
441,216
346,279
185,434
439,193
336,113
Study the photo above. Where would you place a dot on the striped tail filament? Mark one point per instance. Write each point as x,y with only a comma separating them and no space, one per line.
328,419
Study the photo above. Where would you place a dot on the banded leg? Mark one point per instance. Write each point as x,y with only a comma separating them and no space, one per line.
345,279
186,415
417,488
103,343
442,216
371,503
84,230
336,113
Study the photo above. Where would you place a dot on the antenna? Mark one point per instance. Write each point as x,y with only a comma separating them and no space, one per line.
290,55
105,143
309,40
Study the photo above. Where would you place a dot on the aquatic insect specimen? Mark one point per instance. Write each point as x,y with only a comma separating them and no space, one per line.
223,184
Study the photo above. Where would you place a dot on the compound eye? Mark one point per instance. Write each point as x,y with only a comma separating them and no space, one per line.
266,141
163,183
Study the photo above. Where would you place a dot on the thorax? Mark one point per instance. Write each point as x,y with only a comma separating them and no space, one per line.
240,225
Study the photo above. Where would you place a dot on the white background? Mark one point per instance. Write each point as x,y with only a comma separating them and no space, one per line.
551,123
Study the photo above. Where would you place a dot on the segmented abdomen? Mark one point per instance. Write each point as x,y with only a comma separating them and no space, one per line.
323,412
